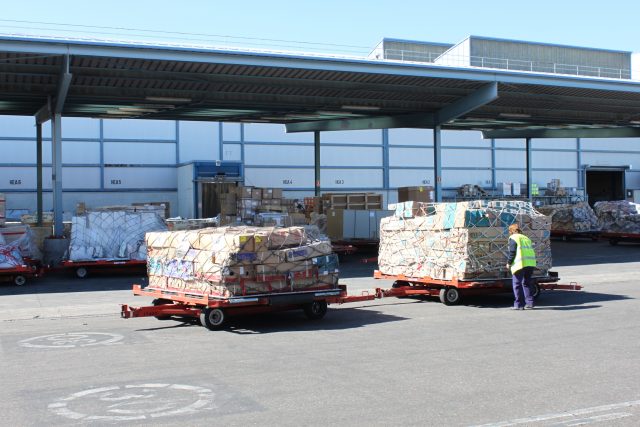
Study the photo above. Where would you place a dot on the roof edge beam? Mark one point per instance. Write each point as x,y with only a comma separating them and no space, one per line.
476,99
43,115
630,132
422,120
63,86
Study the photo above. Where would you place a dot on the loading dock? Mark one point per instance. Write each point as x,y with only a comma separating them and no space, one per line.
51,78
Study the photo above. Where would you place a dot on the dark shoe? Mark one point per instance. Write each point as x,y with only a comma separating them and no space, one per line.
528,307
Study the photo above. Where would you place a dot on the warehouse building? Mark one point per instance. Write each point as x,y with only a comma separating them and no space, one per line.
117,161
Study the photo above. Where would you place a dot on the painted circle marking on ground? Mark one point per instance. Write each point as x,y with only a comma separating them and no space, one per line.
72,340
134,402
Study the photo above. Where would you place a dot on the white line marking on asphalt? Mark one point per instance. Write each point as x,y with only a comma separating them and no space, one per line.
72,340
597,418
121,403
576,413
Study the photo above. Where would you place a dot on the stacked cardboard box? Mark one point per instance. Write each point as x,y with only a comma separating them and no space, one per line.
572,218
112,233
353,201
555,189
243,260
251,201
619,216
416,194
466,240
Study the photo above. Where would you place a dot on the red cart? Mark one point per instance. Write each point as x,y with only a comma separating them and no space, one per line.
214,311
19,274
83,268
451,291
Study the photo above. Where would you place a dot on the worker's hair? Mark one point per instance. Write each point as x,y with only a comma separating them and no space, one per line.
514,228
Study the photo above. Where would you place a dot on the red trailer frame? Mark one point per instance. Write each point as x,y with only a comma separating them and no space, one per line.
614,238
19,274
213,311
568,235
83,268
450,291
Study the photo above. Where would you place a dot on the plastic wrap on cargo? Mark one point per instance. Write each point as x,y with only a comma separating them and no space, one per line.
23,239
467,240
112,234
10,256
619,216
242,260
574,218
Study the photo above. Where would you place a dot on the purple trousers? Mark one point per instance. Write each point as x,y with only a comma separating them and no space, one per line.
521,281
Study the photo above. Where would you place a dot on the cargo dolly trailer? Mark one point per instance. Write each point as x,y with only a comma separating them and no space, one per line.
450,292
82,269
213,312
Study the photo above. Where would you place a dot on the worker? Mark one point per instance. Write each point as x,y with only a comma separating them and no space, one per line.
522,262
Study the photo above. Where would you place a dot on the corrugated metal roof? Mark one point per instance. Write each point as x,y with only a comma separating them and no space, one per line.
127,81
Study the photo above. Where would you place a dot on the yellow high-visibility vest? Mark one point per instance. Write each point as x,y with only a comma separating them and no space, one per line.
525,255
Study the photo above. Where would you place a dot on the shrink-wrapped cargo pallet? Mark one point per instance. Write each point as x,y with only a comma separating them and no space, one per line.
571,218
112,234
467,240
235,261
618,216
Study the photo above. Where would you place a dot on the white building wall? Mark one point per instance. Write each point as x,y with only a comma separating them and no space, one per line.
198,141
111,161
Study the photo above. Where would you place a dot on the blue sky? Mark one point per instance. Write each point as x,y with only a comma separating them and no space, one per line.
358,25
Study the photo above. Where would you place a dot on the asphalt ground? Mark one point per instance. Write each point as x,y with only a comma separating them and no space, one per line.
67,358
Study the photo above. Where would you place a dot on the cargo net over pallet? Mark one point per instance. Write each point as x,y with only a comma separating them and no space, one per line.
464,241
112,233
619,216
237,261
571,218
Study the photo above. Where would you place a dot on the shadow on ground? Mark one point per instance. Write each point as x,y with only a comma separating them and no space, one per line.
547,300
294,320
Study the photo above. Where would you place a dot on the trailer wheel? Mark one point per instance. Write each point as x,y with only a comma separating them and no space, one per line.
315,310
613,242
19,280
449,296
81,272
161,301
212,318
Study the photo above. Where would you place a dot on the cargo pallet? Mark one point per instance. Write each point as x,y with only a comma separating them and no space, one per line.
569,235
83,268
450,292
19,274
212,312
615,238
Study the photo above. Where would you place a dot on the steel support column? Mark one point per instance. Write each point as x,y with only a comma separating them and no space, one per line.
437,162
528,173
316,150
39,172
56,173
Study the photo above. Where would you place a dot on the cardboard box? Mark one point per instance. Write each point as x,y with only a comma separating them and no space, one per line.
267,193
335,221
276,193
256,194
244,192
417,194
